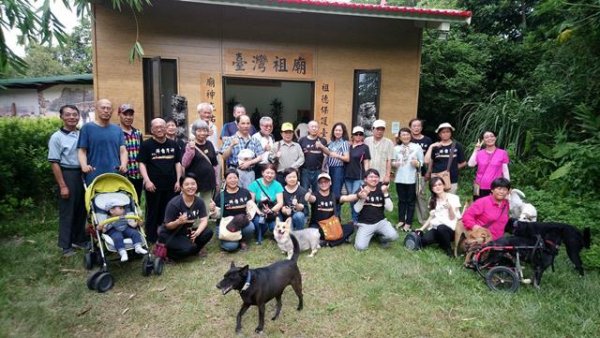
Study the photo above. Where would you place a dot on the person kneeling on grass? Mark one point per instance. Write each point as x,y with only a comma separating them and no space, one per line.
121,229
184,231
373,200
444,209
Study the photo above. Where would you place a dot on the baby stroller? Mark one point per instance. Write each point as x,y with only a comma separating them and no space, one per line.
104,189
500,263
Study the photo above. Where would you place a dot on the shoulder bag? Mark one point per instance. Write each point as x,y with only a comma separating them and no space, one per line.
332,227
224,233
445,175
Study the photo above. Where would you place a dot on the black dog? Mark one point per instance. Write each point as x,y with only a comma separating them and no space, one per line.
556,233
538,252
258,286
237,223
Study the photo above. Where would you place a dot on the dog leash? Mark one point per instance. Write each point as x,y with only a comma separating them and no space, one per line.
247,284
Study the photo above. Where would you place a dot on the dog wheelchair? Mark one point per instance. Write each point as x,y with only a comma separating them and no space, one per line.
501,264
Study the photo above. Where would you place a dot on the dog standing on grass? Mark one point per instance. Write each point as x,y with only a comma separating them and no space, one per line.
307,238
259,286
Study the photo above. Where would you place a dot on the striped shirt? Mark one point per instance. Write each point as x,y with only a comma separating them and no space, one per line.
133,141
340,147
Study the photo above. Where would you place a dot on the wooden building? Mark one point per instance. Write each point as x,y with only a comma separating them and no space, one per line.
359,62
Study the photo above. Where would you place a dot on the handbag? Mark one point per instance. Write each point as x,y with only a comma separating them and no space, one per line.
444,175
224,233
332,228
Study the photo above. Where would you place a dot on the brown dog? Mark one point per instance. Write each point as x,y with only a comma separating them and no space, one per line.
459,232
475,240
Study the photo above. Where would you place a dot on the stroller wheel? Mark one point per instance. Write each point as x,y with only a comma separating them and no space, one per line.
104,282
501,278
147,266
89,259
159,266
92,279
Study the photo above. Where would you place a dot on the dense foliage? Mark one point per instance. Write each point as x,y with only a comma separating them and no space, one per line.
25,175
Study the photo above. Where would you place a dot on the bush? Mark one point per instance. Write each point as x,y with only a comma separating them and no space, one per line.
25,174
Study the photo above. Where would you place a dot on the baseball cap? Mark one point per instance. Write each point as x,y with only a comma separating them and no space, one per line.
287,127
323,175
125,107
358,129
379,124
444,125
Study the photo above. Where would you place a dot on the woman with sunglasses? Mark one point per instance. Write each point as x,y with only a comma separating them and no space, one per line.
359,163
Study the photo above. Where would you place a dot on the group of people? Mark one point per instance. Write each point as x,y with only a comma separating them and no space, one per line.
303,179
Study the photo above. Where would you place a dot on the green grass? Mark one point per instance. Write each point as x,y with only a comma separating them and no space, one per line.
380,292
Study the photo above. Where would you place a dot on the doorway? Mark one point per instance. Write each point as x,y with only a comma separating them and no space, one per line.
282,100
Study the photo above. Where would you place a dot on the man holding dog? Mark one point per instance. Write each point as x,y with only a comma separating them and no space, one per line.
242,152
62,154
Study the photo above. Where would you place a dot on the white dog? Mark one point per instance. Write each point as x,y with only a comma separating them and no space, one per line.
519,209
307,238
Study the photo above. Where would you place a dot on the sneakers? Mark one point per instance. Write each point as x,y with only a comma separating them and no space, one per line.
69,252
140,250
123,254
83,245
243,246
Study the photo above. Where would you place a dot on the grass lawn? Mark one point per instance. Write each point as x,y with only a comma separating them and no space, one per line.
380,292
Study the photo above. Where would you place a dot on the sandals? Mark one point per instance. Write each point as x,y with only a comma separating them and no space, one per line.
400,225
406,228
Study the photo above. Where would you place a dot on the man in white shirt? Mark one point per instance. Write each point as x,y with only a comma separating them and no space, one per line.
265,137
382,151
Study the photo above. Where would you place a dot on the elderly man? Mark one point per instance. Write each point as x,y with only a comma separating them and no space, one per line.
230,128
242,152
265,137
62,154
133,141
160,165
101,145
286,153
206,114
312,146
382,151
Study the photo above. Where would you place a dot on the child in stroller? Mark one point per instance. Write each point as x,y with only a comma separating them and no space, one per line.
122,228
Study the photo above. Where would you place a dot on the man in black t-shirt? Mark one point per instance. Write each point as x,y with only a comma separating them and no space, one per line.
160,166
312,146
374,199
421,205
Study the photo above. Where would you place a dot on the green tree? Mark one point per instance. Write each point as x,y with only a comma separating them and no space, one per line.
41,26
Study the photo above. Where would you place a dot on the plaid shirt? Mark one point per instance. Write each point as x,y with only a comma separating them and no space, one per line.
132,144
249,143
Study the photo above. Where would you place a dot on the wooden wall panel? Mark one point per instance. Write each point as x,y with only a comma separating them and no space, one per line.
197,36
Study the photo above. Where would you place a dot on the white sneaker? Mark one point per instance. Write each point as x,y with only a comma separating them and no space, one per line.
123,254
138,249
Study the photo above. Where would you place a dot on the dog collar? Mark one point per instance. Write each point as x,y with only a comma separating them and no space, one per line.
247,284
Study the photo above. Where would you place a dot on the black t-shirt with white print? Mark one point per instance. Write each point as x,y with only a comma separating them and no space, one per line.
299,195
235,203
176,207
424,143
323,207
373,209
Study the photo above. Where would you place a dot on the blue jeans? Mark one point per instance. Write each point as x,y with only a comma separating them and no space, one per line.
352,186
337,181
298,220
308,179
118,236
230,246
261,227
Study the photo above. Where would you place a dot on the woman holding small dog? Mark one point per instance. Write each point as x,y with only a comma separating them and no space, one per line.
491,211
444,213
232,201
295,203
183,212
491,163
268,195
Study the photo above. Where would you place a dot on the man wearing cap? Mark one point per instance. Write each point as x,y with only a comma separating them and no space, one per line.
441,153
286,153
242,152
312,146
101,145
133,140
422,201
62,154
382,151
160,166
